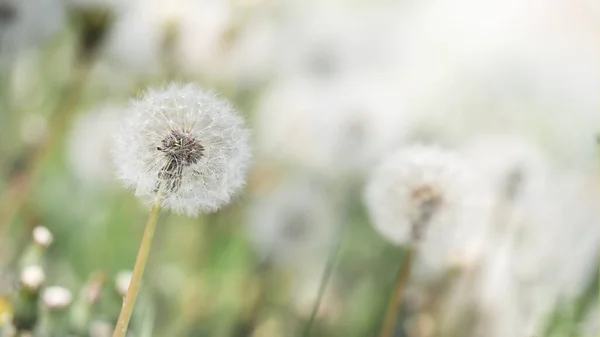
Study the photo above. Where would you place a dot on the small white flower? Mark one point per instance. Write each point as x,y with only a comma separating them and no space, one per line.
429,196
89,145
42,236
32,277
57,298
185,143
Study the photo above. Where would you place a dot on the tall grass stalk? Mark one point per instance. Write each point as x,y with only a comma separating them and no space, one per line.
327,273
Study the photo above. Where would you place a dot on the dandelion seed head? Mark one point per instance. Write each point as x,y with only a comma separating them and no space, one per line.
57,298
186,144
428,196
26,24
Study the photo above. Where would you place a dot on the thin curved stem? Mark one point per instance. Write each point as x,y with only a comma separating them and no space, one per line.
327,272
389,322
138,271
598,154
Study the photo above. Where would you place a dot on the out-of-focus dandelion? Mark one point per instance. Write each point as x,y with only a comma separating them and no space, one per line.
337,127
427,198
178,37
516,167
89,145
433,198
295,222
183,149
145,35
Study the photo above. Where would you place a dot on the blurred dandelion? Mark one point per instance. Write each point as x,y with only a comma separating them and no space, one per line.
337,128
433,198
297,224
89,145
180,148
428,198
294,223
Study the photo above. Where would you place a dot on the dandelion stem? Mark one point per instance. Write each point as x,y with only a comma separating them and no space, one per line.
15,194
138,270
327,272
393,308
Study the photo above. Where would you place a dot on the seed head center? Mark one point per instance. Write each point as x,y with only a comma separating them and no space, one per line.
427,200
181,148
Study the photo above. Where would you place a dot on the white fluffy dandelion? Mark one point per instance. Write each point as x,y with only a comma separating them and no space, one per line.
429,196
180,148
186,144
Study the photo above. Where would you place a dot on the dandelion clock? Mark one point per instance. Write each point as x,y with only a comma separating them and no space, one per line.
183,149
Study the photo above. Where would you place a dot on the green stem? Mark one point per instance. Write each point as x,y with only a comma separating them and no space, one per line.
389,322
598,154
328,271
138,270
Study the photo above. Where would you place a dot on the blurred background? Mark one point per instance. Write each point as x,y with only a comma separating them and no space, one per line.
329,89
